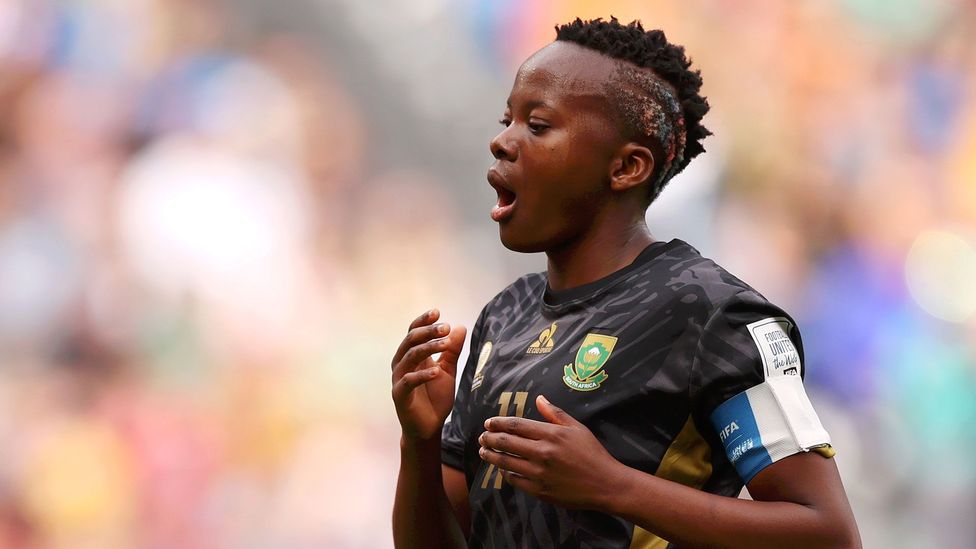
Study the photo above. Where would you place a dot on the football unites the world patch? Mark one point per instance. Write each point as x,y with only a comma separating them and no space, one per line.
779,355
587,373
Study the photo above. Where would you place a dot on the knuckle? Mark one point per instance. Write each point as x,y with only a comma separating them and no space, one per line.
514,423
409,355
546,455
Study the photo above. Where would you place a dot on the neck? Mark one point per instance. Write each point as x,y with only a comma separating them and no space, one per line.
595,256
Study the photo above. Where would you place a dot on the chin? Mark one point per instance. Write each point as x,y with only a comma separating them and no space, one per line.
521,243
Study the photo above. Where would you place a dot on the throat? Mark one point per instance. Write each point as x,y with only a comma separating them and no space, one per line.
589,261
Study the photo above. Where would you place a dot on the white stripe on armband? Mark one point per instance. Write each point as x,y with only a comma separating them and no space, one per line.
767,423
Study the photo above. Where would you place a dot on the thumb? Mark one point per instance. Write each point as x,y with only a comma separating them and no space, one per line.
552,413
449,356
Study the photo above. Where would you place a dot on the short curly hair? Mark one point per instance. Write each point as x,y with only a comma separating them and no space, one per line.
662,105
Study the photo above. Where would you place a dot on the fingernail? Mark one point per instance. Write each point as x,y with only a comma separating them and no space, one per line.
482,452
544,399
442,328
488,423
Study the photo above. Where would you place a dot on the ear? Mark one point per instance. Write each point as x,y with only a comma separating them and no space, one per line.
632,166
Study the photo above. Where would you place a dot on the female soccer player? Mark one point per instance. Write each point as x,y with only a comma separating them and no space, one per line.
623,397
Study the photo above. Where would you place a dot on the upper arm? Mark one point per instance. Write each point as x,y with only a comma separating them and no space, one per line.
456,488
750,372
811,480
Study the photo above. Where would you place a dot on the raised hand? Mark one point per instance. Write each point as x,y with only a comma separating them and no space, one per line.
559,461
423,388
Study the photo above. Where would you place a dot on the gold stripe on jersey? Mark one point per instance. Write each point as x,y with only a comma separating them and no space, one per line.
688,462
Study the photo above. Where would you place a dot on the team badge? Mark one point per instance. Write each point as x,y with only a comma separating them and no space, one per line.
544,344
479,374
587,374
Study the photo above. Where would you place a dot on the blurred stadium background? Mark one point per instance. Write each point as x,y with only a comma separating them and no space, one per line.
217,217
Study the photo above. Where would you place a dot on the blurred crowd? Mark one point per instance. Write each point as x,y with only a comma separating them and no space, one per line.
217,218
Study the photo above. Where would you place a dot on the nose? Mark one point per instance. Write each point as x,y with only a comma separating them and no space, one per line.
503,146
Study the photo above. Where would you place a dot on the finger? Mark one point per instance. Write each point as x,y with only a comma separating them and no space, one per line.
510,463
419,335
509,443
424,319
417,354
552,413
526,484
411,381
449,356
525,428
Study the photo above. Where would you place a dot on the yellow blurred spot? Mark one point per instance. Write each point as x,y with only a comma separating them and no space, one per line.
940,271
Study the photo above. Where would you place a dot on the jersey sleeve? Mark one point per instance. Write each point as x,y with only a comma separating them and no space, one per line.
748,383
452,434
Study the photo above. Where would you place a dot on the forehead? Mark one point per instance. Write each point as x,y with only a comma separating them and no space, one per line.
563,71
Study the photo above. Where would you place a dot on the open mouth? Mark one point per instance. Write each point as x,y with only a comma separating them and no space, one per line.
505,205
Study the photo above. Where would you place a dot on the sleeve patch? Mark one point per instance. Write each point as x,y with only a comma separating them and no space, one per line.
779,355
767,423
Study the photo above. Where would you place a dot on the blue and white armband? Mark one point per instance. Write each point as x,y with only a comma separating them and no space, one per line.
774,419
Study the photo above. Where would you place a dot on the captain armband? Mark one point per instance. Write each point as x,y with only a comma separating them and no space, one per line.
767,423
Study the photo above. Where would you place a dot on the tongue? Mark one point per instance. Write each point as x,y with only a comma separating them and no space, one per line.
501,211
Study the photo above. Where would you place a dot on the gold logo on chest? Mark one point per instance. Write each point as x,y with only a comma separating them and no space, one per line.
544,344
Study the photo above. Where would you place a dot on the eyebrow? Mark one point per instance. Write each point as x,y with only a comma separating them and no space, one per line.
530,104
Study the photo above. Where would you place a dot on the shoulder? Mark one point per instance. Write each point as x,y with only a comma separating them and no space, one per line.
697,279
713,299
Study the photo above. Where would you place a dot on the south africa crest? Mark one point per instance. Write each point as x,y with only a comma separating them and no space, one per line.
587,374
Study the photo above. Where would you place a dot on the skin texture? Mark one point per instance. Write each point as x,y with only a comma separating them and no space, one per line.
579,185
579,190
423,392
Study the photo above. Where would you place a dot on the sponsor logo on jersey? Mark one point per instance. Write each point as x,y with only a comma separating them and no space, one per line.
587,373
544,344
479,371
779,355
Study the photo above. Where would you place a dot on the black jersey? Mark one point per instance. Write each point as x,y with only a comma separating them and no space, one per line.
644,358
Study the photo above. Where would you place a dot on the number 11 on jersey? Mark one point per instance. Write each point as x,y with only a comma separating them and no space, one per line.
504,400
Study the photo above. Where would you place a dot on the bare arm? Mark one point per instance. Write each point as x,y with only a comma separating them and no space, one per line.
423,392
799,501
456,488
422,512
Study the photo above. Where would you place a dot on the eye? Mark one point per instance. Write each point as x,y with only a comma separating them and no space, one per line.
537,128
505,121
